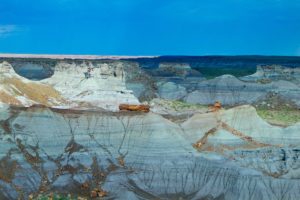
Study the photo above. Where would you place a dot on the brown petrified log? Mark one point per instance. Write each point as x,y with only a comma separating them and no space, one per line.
128,107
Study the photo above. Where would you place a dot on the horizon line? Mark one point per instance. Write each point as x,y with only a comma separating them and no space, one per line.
95,56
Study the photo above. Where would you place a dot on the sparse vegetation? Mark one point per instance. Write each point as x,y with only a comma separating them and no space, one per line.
278,110
282,117
264,81
181,105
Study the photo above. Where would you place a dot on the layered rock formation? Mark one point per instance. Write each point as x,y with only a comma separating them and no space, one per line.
61,132
68,87
274,72
228,90
129,83
19,91
147,156
286,80
100,85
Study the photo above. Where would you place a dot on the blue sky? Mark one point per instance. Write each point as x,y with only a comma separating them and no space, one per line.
150,27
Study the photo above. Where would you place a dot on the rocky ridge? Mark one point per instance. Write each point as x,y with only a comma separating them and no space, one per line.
179,150
145,155
68,87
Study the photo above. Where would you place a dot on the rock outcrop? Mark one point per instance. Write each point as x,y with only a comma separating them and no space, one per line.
130,83
171,91
19,91
274,72
228,90
68,87
146,156
103,87
286,80
180,149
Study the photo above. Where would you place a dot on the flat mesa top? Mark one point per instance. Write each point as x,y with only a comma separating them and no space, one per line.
61,56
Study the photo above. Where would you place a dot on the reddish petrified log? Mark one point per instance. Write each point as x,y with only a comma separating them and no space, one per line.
128,107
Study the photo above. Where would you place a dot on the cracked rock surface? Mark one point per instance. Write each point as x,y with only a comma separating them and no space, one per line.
145,156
